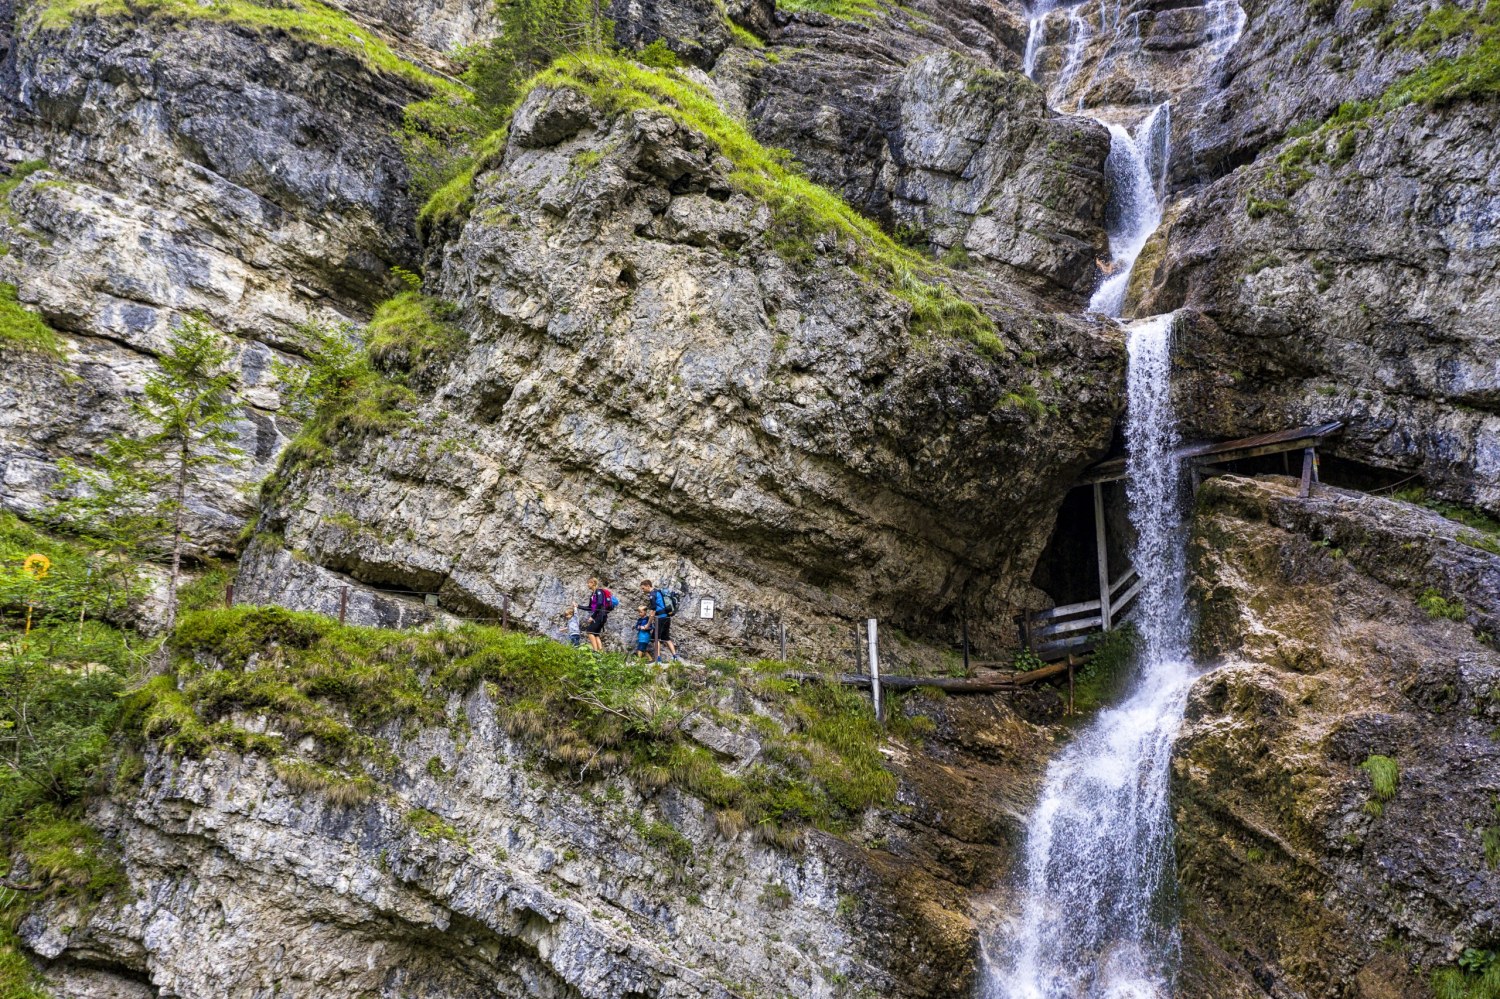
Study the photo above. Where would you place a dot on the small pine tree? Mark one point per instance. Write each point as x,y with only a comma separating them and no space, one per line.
133,498
532,34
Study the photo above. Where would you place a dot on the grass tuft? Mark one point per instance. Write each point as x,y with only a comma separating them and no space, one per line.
1385,776
22,329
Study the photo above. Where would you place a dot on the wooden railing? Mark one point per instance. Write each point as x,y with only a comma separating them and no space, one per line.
1054,633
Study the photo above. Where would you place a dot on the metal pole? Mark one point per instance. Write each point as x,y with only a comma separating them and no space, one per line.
343,603
870,626
1103,550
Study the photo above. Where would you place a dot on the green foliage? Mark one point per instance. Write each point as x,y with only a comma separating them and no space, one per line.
1476,976
843,10
134,497
1107,667
346,392
17,174
1024,661
1468,516
1471,74
744,38
1437,606
658,56
585,713
1385,776
411,337
307,20
22,329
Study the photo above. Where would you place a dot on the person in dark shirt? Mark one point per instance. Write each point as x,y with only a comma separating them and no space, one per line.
598,608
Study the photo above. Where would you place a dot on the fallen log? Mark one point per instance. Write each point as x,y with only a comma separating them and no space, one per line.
951,684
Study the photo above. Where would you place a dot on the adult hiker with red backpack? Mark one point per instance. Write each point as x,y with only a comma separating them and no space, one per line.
663,607
601,602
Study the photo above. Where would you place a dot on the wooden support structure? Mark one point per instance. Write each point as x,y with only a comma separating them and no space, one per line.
1102,547
994,684
228,595
505,611
1309,472
343,603
1203,455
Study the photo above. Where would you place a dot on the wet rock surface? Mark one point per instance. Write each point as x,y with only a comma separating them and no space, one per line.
1293,883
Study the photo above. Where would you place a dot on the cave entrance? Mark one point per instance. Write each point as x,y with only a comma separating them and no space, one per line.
1086,570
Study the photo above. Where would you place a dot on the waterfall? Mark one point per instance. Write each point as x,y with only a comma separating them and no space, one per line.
1137,170
1036,30
1078,39
1097,917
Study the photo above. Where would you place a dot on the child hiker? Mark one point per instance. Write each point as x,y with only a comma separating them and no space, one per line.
571,627
643,630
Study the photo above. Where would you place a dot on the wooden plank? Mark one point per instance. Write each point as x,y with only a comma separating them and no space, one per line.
1065,610
1064,627
1305,490
1128,596
1102,553
1129,576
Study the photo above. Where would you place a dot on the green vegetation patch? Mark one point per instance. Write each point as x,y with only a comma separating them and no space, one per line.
22,329
346,392
802,210
843,10
1476,976
1385,776
585,714
307,20
1439,607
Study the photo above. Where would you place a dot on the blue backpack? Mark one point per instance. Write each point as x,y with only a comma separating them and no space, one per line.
610,600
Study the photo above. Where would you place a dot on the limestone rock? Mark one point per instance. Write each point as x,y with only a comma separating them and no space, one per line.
1291,878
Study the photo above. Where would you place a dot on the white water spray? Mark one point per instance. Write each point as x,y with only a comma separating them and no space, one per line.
1137,171
1097,919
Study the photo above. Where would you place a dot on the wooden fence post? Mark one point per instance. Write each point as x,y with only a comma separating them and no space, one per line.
505,612
781,627
870,626
1309,461
343,603
966,644
1103,550
228,594
1070,686
859,661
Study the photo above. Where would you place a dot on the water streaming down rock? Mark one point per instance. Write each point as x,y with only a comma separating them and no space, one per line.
1137,170
1097,919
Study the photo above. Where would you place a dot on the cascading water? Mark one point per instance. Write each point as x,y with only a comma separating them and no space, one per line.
1137,170
1096,919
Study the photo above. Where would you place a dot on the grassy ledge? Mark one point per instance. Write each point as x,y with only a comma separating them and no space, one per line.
307,20
820,763
22,329
802,210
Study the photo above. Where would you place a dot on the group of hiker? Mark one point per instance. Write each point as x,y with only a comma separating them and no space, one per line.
653,623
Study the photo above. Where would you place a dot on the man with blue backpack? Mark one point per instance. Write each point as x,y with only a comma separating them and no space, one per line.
601,602
663,606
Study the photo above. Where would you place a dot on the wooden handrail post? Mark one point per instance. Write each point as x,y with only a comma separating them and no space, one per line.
871,627
966,644
343,603
228,594
1070,685
1309,462
781,629
1103,549
859,661
505,612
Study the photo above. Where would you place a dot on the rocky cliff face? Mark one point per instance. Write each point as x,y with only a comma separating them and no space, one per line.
1344,260
705,401
1349,628
459,860
174,165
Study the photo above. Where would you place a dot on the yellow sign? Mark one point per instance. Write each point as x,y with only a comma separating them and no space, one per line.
37,566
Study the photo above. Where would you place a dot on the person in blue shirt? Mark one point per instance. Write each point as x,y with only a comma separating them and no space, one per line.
661,616
643,630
